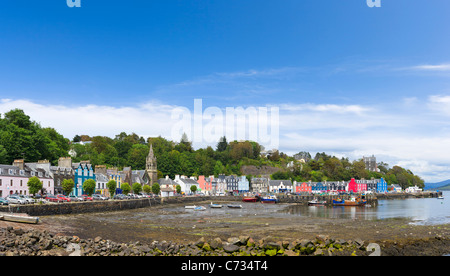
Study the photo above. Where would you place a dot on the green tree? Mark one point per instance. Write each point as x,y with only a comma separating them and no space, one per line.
193,188
137,188
178,187
111,185
34,185
126,188
155,188
222,145
147,189
67,186
89,186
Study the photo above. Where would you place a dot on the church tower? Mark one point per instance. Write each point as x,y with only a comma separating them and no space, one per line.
150,167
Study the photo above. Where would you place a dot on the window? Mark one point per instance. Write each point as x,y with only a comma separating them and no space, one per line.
11,171
22,172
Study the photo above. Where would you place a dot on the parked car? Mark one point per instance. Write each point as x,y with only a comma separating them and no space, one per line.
98,197
63,198
86,197
75,198
15,199
3,201
120,196
27,198
52,198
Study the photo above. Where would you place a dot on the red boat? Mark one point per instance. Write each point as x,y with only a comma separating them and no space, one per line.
249,199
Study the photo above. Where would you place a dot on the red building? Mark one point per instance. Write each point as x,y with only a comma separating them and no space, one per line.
357,186
303,188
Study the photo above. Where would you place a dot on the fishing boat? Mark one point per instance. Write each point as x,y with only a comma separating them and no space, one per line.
269,199
199,208
249,199
234,206
212,205
316,202
354,201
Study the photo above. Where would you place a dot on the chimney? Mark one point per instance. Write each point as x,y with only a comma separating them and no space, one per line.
19,163
65,162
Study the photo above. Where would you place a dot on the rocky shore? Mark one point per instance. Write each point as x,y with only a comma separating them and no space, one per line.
17,241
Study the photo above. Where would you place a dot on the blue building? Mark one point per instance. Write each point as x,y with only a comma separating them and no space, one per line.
382,186
82,172
319,187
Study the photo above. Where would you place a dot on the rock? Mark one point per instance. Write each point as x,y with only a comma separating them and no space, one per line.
97,239
234,240
243,239
216,243
231,248
200,242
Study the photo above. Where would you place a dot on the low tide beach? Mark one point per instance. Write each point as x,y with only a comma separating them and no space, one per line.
397,234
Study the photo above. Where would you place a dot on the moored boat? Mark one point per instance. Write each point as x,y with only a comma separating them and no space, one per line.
354,201
269,199
249,199
199,208
190,207
212,205
19,218
316,202
234,206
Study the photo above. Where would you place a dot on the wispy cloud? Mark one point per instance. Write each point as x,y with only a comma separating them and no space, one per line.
431,67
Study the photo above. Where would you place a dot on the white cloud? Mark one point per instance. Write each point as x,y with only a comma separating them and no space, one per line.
431,67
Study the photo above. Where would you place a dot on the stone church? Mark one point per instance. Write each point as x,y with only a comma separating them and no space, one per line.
150,167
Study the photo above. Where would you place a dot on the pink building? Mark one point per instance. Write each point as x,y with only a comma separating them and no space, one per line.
14,179
357,186
205,184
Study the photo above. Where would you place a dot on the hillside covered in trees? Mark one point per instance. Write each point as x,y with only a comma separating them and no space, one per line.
20,137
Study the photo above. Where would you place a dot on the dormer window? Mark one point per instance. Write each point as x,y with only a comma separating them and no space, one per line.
32,173
22,172
11,171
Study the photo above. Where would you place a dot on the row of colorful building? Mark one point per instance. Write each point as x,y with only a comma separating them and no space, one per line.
14,178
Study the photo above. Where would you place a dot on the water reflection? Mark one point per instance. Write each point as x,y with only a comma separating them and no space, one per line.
420,210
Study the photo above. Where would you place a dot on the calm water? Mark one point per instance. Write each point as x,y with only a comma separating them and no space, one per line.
420,210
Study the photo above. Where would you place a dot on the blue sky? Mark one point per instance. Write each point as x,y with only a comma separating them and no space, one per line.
335,68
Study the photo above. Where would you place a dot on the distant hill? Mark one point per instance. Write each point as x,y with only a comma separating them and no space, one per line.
438,185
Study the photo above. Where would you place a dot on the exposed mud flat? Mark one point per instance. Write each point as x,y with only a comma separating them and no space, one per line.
176,224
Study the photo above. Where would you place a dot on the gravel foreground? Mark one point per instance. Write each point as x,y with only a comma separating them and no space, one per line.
18,241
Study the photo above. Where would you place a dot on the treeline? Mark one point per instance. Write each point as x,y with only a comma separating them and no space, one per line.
22,138
325,167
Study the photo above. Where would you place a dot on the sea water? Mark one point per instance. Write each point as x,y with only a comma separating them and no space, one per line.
421,211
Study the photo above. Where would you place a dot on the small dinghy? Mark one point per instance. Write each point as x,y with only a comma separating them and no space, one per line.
234,206
212,205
